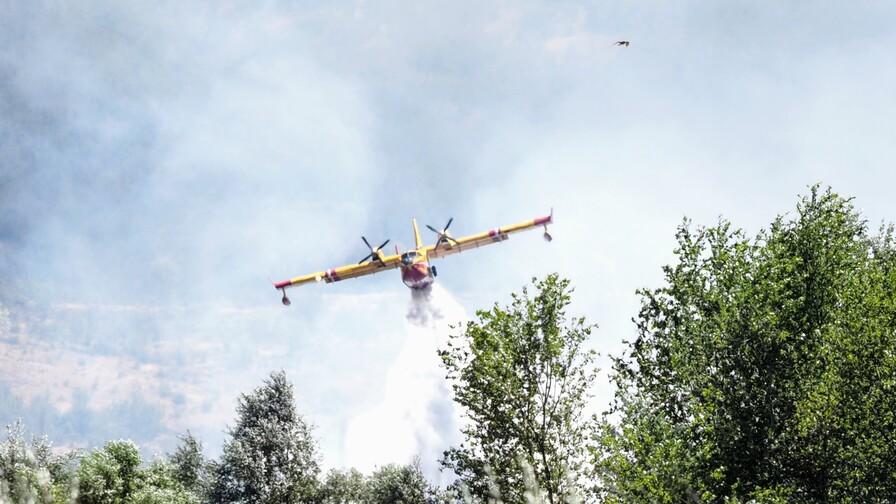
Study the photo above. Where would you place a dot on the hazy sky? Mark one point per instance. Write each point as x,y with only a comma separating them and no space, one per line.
162,162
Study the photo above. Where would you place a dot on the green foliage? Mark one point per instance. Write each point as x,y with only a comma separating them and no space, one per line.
270,456
522,374
391,484
764,369
113,475
190,467
109,474
31,472
394,484
159,484
343,487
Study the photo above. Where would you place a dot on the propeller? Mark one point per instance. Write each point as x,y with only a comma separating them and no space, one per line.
443,234
374,252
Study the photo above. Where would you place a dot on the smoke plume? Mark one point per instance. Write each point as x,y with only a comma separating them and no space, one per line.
416,415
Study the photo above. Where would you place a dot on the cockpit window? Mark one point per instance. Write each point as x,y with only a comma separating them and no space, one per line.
408,257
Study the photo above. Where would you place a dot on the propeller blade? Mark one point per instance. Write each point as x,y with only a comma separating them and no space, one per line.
383,245
443,234
367,243
368,256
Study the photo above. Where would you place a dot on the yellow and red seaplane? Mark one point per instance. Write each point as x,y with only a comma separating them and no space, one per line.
416,270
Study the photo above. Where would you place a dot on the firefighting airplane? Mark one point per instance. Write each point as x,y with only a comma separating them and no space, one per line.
416,272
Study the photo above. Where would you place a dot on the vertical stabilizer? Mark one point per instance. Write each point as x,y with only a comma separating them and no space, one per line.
417,239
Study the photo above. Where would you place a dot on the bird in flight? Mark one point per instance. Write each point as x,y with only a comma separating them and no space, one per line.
623,43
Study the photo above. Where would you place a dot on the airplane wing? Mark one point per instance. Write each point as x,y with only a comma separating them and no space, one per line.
496,235
343,272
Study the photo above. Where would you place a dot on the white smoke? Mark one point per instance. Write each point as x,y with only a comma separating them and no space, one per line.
421,309
416,416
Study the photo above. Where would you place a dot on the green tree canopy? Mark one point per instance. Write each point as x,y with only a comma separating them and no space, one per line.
270,456
159,484
189,465
109,475
765,368
390,484
32,472
522,375
398,484
343,487
114,474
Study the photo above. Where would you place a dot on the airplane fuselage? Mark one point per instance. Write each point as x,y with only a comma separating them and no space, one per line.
417,276
416,272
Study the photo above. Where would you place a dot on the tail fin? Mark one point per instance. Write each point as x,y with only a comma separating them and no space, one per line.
417,239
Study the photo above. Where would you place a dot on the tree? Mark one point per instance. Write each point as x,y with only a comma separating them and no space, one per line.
189,465
391,484
399,484
343,487
522,375
764,369
109,474
159,484
270,456
31,472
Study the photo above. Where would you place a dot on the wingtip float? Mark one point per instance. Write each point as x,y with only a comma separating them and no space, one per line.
414,264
